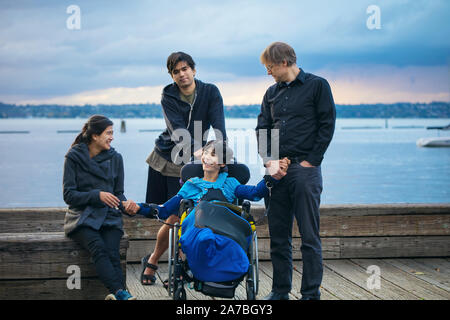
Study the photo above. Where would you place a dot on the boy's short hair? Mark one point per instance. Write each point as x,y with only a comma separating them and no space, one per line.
277,52
176,57
221,149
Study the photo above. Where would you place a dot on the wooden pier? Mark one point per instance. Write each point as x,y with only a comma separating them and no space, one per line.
343,279
409,244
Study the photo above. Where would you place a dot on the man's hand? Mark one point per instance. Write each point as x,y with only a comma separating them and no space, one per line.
278,168
284,163
306,164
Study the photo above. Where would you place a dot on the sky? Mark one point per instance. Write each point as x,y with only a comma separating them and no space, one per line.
114,52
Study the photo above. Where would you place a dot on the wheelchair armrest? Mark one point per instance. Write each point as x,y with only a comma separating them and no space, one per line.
184,205
246,206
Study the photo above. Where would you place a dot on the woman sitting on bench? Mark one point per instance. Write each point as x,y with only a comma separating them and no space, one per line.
93,189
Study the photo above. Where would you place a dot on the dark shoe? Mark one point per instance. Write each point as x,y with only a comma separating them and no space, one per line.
147,279
277,296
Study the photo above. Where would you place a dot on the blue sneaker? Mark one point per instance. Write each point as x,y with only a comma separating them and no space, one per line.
120,295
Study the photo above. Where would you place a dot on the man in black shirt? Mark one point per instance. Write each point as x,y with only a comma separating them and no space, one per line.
299,112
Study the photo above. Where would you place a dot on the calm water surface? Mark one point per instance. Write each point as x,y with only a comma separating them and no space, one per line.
368,161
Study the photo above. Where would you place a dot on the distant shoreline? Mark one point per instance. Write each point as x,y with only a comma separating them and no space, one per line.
368,111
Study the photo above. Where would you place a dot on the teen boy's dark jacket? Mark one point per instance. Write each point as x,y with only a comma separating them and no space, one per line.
84,178
207,108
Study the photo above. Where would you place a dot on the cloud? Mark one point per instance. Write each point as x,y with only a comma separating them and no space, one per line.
126,45
119,95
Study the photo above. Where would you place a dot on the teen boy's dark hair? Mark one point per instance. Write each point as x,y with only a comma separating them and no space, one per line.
176,57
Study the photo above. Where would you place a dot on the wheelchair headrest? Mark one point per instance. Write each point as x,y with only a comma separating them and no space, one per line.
195,169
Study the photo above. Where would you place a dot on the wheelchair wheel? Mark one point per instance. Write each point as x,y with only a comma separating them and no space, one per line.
252,281
172,258
179,294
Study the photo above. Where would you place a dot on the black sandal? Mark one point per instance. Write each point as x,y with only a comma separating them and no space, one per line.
149,279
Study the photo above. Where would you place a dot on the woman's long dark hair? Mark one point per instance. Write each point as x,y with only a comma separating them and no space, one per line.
96,124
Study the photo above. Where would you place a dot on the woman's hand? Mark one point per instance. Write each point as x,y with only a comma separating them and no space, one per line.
131,207
109,199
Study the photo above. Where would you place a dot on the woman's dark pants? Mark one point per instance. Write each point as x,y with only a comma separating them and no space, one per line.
103,245
296,195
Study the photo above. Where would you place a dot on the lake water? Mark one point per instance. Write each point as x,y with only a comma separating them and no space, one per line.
368,161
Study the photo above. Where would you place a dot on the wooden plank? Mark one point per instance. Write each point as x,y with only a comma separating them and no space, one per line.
330,249
31,211
441,266
384,209
331,226
139,227
348,280
342,288
336,248
354,226
387,247
30,226
44,255
358,276
422,272
346,210
265,280
336,220
392,225
325,209
51,289
153,292
416,286
267,269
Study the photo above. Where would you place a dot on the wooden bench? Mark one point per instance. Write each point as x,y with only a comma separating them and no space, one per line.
38,260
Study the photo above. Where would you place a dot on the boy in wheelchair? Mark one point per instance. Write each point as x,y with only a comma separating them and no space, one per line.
213,251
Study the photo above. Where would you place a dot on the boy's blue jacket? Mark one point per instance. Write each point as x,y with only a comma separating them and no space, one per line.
196,188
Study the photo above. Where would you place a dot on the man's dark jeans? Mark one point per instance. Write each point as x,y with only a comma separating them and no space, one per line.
296,195
103,245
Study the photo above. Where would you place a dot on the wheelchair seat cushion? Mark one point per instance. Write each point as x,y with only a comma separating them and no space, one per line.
221,220
211,256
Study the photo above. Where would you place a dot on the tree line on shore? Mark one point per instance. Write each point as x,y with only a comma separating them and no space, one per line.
152,110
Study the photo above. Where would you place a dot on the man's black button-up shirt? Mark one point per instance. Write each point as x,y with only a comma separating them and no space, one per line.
304,113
